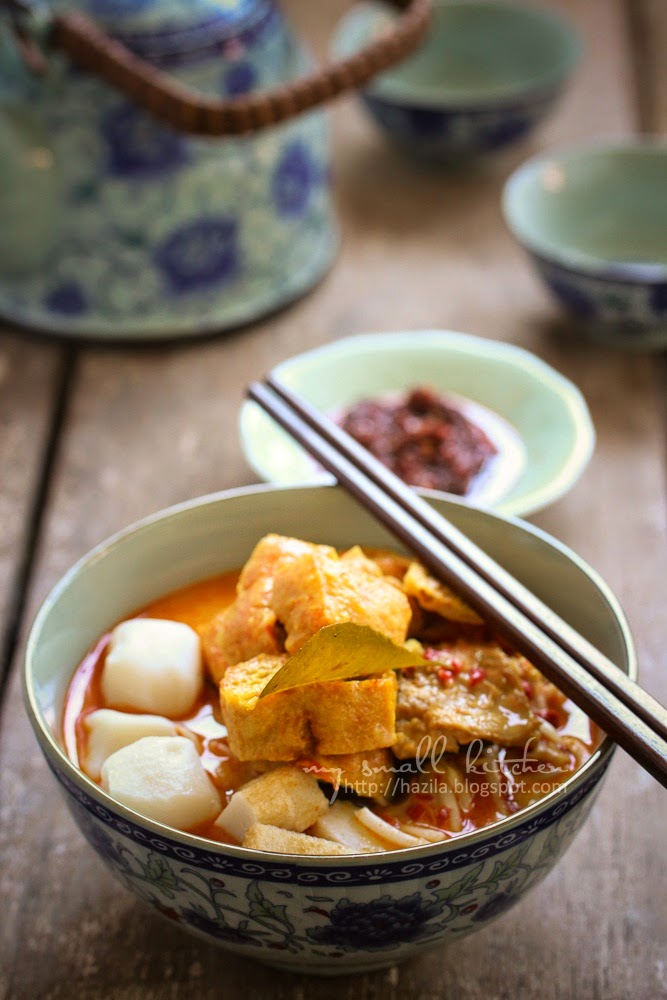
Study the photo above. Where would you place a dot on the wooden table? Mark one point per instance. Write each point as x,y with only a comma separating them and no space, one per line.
93,438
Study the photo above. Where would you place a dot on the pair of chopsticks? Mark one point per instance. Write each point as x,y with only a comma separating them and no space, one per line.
631,716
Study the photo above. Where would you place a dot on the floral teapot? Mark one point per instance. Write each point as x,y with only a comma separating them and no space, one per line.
157,174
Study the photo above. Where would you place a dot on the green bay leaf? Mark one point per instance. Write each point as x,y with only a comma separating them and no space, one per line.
340,652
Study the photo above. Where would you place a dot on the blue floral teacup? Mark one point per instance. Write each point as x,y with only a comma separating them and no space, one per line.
594,221
487,75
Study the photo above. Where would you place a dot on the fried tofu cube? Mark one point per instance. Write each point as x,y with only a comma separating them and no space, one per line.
249,627
289,589
286,797
272,553
391,563
153,665
274,728
245,629
331,717
272,838
320,588
162,777
348,716
433,595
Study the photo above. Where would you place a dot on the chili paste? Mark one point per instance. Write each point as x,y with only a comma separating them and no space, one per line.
423,438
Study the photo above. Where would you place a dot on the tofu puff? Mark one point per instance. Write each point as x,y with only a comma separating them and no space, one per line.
470,690
249,627
289,589
329,718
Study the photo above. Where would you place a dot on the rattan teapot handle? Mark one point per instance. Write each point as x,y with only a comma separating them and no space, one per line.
91,49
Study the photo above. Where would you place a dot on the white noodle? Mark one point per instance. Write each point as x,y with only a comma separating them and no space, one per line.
430,833
448,799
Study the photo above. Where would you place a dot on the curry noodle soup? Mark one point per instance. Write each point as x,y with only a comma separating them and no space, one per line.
165,711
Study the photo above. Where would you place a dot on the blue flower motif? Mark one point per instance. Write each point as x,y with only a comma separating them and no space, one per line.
97,836
503,901
573,297
215,927
293,180
659,299
380,923
505,130
200,253
409,123
425,122
68,299
240,78
139,146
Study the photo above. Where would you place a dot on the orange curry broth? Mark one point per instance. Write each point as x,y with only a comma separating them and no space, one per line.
196,605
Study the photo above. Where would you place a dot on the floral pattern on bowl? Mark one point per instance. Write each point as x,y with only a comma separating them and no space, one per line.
430,132
329,914
332,914
620,312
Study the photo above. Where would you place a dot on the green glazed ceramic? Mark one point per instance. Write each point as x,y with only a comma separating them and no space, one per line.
594,220
118,227
487,74
324,915
537,417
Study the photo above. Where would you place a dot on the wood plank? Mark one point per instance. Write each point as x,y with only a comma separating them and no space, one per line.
649,24
147,428
31,377
30,374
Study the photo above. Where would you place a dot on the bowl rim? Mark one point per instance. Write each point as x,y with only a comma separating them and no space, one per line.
571,397
570,258
408,94
59,760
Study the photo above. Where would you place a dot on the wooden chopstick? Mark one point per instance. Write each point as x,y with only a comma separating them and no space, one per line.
628,691
630,730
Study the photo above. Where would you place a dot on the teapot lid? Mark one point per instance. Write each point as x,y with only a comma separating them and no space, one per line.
158,27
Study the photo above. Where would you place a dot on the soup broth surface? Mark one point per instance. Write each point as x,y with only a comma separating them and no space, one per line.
438,795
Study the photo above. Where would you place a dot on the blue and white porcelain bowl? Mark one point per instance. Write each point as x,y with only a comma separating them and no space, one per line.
322,915
486,75
594,222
